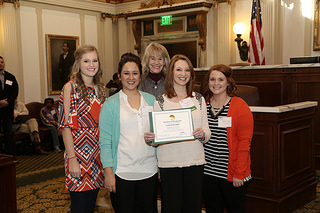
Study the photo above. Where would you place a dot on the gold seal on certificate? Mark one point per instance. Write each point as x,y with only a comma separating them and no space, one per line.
171,125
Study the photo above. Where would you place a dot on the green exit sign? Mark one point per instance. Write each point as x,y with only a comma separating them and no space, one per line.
166,20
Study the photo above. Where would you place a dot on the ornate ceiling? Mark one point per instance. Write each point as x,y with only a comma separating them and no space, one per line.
155,3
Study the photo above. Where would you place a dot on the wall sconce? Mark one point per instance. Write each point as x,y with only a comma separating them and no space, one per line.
239,28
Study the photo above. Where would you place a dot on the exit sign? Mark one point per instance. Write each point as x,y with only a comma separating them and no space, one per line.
166,20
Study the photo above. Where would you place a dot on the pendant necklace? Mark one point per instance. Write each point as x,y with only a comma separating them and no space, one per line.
214,114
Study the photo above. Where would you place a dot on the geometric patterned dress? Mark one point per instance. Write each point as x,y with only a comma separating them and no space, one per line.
83,122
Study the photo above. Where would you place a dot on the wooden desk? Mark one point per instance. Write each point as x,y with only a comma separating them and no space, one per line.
8,195
283,158
282,84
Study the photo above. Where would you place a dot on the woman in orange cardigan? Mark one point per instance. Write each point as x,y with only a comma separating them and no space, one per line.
227,169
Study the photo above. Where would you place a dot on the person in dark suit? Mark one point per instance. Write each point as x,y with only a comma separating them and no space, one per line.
8,93
66,61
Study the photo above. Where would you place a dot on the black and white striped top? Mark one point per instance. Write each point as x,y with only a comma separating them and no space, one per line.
216,149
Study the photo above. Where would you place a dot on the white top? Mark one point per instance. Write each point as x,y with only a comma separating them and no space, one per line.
21,108
136,159
184,153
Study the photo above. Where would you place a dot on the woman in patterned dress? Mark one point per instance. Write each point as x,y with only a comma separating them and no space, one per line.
79,109
227,169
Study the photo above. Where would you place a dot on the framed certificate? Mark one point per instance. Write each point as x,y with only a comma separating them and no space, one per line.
171,125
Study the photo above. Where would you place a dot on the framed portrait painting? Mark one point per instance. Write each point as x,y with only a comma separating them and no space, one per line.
60,59
316,26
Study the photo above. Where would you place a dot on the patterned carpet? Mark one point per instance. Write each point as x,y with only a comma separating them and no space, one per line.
40,187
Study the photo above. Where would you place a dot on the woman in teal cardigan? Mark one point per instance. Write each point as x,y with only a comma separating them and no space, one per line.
130,164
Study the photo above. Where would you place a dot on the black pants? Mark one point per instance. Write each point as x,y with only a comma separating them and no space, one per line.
181,189
6,124
220,193
138,196
83,202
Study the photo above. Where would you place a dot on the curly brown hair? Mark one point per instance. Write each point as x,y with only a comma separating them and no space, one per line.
170,93
226,71
76,74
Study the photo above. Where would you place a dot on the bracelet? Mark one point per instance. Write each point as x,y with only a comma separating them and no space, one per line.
72,157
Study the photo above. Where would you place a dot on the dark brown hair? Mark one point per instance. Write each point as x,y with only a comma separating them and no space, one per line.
170,93
226,71
129,57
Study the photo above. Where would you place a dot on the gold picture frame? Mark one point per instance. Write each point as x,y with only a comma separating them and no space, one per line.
316,27
54,54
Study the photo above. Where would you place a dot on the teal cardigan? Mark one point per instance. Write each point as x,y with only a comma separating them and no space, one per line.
109,126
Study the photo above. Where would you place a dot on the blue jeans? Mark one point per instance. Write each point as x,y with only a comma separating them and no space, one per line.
54,134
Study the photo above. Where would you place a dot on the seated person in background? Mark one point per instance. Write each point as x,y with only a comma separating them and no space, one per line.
49,118
23,123
114,85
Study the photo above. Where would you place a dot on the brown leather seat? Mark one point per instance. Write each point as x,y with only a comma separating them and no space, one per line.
249,94
242,64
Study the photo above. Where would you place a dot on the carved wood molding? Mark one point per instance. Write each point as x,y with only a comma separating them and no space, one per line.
176,8
217,2
201,10
137,32
202,28
158,3
16,3
156,11
114,17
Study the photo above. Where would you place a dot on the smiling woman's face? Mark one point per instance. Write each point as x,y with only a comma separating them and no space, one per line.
181,73
218,82
130,76
156,63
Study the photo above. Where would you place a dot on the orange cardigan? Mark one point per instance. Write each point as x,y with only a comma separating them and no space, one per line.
239,137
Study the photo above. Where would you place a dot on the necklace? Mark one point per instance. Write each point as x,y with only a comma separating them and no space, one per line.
215,113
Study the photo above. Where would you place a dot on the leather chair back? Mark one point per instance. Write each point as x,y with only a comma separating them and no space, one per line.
249,94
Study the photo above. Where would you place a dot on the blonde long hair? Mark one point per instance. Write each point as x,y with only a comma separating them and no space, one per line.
77,78
158,49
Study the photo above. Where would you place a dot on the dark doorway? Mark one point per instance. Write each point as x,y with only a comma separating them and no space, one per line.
188,49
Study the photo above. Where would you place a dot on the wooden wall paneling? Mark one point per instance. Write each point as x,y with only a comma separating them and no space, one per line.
307,87
8,196
283,166
296,160
262,156
272,84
